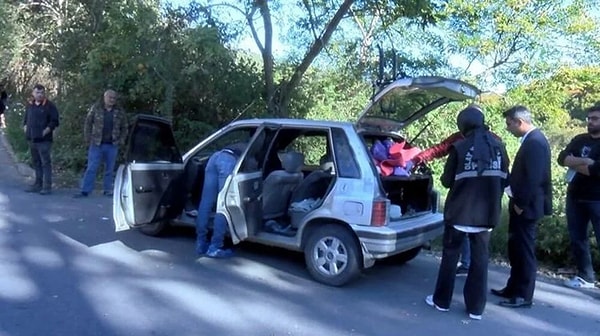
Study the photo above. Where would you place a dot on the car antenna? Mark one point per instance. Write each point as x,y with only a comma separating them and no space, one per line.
243,111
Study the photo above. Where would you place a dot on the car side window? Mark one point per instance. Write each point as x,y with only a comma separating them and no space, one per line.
153,142
237,135
344,156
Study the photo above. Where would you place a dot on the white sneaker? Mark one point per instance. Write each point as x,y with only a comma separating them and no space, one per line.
474,317
578,282
429,301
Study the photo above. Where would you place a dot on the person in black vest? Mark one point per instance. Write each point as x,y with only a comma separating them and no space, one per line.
582,157
476,173
530,199
39,122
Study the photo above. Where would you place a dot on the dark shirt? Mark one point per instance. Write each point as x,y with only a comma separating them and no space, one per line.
107,128
584,187
39,117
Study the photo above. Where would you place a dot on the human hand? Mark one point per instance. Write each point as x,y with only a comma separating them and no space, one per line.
25,129
588,161
46,131
518,210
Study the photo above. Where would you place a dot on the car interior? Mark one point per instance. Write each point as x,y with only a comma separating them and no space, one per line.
297,169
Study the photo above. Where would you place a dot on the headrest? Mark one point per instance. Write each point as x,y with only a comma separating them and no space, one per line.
326,163
292,162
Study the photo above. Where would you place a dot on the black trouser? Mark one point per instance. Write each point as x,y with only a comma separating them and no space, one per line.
521,255
475,289
42,163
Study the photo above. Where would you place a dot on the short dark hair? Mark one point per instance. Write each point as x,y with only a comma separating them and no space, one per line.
518,112
593,108
39,87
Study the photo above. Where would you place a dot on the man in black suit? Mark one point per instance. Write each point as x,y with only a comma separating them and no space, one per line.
530,199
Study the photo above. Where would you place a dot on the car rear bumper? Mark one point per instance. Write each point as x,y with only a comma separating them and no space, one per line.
400,235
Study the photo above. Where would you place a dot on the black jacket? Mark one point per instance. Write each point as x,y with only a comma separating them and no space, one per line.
474,199
530,178
37,118
584,187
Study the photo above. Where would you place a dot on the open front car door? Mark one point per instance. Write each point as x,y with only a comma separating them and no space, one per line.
146,185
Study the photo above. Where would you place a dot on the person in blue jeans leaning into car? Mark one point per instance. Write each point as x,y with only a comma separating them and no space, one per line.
219,166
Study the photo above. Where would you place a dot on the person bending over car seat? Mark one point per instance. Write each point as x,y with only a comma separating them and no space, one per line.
220,165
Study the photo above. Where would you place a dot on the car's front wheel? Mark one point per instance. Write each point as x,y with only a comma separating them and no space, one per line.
155,229
332,255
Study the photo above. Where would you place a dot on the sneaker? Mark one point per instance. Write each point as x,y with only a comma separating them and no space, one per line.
80,195
429,301
474,317
578,282
201,249
462,271
219,253
33,189
45,191
108,193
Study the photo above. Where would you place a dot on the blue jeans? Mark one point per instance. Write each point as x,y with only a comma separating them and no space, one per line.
579,214
219,167
97,154
465,253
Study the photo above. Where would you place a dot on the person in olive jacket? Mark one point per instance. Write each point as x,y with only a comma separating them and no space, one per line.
39,122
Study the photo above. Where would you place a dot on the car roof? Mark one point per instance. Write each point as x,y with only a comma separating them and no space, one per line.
292,122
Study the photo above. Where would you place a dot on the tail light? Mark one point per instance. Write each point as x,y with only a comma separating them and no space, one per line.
379,214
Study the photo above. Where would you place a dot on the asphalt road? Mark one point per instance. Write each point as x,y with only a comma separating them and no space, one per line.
64,271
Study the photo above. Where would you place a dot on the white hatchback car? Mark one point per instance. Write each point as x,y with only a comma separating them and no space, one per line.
337,214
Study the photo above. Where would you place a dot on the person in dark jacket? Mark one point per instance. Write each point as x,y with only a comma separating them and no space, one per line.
530,199
582,157
476,173
39,122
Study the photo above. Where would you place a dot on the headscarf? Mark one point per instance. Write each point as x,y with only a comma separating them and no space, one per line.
471,123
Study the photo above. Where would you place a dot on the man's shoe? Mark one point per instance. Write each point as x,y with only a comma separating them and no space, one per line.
45,191
429,301
219,253
462,271
33,189
503,293
516,302
80,195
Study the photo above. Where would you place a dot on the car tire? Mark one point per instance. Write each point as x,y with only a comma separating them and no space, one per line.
332,255
404,257
155,229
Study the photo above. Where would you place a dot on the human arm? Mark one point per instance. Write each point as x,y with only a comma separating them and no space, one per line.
527,176
87,126
123,128
449,173
437,151
52,119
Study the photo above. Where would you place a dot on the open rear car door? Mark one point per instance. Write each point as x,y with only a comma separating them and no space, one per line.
146,185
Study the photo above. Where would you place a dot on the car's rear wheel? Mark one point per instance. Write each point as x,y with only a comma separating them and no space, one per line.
332,255
155,229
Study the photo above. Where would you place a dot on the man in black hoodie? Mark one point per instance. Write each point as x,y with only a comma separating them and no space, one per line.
476,173
39,122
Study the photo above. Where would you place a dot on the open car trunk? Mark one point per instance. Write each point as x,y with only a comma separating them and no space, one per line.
413,194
